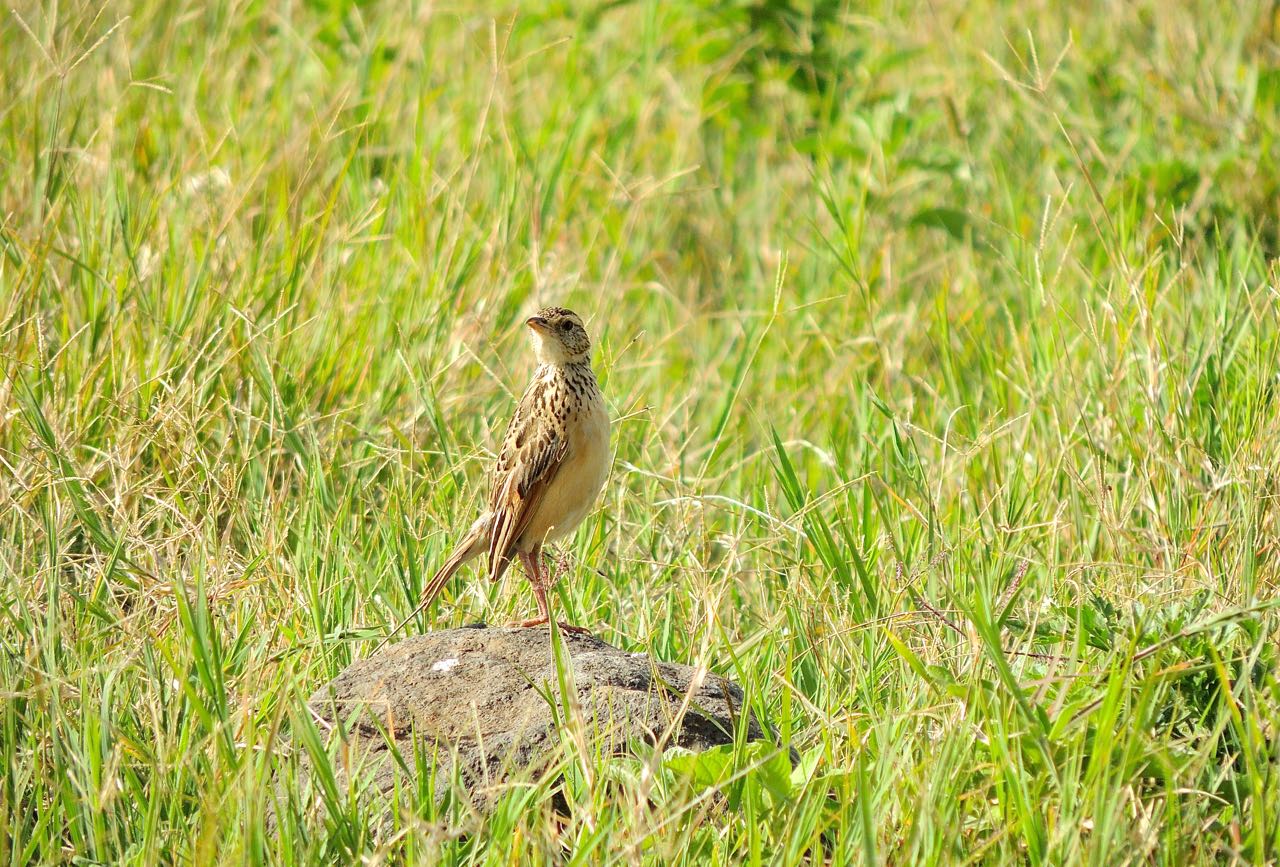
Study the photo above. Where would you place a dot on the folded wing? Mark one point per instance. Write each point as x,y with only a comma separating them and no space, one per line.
532,453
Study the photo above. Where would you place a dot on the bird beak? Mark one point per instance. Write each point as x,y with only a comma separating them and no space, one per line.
537,323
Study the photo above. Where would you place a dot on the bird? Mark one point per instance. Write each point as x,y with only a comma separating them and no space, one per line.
553,463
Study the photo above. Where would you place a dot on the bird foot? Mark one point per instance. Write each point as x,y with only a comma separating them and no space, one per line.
542,621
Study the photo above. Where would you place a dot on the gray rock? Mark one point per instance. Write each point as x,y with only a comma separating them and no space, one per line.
480,700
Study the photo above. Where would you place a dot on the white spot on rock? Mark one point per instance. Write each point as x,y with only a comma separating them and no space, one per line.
445,665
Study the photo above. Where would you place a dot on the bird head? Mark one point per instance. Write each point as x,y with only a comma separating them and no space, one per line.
559,336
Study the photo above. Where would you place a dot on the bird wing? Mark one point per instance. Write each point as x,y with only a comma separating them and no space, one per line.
532,453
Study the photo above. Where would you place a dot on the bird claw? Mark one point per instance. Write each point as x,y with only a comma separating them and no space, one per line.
542,621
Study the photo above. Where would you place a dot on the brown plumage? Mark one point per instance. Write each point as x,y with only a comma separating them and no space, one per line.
552,465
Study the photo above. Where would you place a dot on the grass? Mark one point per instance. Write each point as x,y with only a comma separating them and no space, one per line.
942,342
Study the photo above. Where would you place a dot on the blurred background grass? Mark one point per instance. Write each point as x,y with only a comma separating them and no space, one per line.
941,340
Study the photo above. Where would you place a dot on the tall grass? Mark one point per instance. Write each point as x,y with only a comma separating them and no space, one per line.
942,342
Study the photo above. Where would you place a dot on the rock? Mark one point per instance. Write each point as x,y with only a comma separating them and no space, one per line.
478,698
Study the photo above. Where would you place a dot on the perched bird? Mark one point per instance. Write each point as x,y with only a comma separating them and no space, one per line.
553,463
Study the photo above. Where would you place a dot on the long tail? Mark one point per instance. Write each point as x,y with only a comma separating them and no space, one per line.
472,546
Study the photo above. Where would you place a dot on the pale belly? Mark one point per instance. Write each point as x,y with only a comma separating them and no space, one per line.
577,484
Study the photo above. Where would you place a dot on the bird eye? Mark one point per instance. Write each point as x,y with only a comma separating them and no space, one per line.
565,326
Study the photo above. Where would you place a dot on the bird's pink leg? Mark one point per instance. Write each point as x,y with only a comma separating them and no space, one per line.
540,580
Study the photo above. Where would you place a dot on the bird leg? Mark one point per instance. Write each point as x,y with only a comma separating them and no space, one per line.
540,580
